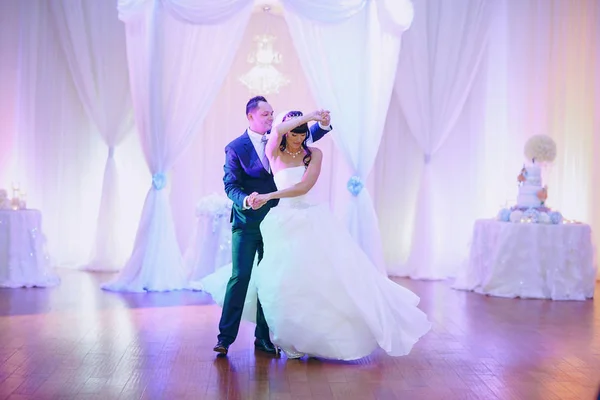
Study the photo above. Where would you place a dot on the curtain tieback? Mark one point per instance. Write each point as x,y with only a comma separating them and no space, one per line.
355,185
159,181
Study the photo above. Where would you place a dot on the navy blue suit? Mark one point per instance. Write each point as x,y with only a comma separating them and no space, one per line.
245,174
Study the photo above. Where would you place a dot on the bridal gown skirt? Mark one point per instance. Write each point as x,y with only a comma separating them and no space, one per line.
320,293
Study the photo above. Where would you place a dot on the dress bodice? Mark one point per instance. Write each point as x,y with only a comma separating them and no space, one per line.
288,177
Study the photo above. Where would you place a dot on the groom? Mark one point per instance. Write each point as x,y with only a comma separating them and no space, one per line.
247,173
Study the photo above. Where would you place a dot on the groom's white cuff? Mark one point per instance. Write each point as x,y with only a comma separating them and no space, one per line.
325,128
245,204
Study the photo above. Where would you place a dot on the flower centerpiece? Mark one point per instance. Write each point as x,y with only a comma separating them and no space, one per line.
540,149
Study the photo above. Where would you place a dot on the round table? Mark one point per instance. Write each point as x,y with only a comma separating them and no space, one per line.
23,259
530,260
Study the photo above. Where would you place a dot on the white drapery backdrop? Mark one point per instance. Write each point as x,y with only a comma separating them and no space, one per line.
52,150
169,111
544,58
172,89
62,157
96,55
350,61
537,53
442,56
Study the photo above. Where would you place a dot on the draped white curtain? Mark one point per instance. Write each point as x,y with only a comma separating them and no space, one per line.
544,60
350,63
328,11
442,55
176,71
54,153
9,44
204,12
97,60
539,71
48,145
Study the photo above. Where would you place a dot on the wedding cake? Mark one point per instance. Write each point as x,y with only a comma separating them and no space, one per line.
531,192
532,195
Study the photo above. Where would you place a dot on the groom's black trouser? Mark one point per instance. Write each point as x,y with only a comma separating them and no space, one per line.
245,244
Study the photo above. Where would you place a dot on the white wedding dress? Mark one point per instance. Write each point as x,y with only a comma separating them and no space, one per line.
320,293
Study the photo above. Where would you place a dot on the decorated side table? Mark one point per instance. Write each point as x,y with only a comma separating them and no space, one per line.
530,260
210,244
23,259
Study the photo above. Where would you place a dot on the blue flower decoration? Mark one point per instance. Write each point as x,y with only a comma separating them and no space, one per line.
355,185
159,181
555,217
533,214
504,215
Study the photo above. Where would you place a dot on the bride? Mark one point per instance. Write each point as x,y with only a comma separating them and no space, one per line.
320,293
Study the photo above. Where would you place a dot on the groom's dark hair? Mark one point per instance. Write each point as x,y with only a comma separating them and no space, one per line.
253,103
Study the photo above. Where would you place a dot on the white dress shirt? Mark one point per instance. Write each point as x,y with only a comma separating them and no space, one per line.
259,146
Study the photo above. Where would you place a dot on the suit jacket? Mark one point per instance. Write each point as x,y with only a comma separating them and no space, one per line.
244,174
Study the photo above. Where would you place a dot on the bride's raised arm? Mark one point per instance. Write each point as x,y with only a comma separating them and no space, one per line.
281,127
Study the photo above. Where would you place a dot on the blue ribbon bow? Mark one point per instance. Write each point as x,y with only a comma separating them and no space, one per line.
159,181
355,185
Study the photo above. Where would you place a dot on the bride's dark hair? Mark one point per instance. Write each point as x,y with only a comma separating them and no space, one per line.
308,155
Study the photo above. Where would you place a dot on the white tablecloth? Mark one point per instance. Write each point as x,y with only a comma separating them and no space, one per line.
530,261
210,246
23,260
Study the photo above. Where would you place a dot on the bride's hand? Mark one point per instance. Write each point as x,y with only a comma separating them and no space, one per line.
320,115
326,119
260,200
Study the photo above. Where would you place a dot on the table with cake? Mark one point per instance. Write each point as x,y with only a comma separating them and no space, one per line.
530,250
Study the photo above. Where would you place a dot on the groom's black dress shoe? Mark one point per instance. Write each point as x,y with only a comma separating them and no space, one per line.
265,345
221,348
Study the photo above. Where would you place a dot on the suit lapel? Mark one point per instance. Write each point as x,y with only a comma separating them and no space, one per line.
254,160
249,147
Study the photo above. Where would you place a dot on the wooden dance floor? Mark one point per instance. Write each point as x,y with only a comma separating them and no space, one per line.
78,342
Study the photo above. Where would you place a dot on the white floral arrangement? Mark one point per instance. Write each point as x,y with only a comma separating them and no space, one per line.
540,148
214,205
540,215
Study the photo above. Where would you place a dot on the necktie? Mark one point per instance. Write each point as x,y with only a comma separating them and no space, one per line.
263,158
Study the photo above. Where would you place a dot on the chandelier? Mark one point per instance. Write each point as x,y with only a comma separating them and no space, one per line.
263,77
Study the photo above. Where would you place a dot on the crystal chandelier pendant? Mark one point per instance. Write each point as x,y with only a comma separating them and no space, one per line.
263,77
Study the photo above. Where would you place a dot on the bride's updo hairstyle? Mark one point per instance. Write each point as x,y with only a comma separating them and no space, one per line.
299,129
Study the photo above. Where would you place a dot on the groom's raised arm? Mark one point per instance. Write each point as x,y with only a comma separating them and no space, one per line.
233,177
317,131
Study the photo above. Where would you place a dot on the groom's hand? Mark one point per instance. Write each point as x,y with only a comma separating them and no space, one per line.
325,118
259,200
248,200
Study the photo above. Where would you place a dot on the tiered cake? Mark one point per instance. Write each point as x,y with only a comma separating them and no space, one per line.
532,194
